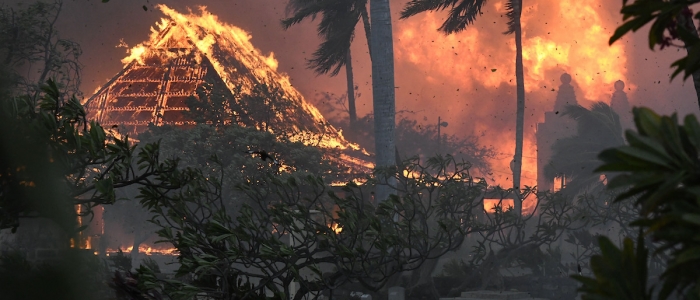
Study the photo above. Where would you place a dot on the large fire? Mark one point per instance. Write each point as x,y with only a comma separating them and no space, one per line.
479,63
472,71
217,41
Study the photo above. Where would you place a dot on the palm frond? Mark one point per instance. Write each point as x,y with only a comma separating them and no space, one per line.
336,28
514,8
419,6
338,31
331,54
303,9
462,13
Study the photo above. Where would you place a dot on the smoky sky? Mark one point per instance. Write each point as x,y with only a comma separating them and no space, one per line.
431,79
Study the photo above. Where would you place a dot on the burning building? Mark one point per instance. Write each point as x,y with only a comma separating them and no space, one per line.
195,59
191,57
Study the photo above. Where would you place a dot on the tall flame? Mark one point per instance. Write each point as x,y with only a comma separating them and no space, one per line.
219,42
574,39
479,63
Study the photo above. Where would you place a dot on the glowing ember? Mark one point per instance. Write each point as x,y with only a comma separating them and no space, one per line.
490,204
145,250
336,228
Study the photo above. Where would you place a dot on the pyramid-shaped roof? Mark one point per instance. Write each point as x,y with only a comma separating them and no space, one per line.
190,54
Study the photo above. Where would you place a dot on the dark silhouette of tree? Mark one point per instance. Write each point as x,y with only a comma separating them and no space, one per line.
337,29
576,157
462,14
31,44
671,21
657,169
296,230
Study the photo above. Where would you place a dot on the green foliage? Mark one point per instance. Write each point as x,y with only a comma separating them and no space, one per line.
657,169
660,170
194,147
296,229
214,104
670,17
54,159
619,273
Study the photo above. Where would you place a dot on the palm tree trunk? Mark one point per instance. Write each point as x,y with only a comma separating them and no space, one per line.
368,29
351,90
520,117
383,94
690,25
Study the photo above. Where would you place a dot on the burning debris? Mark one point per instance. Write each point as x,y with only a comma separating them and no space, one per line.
264,156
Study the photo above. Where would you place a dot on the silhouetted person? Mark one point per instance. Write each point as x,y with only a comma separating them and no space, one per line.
565,95
621,105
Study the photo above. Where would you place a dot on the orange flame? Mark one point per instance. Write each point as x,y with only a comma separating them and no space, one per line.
204,31
336,228
558,36
576,41
144,249
490,204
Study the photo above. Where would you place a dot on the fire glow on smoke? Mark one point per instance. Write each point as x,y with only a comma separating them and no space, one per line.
558,36
479,63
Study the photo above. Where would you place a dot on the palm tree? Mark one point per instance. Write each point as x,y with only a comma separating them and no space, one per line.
383,91
463,13
337,28
576,157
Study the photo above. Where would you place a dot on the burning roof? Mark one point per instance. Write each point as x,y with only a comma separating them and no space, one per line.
190,54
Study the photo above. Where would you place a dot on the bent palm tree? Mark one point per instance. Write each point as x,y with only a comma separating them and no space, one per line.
337,28
463,13
577,156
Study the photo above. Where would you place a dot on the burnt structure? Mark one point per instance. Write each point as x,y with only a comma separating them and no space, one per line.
557,126
191,60
154,91
554,127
